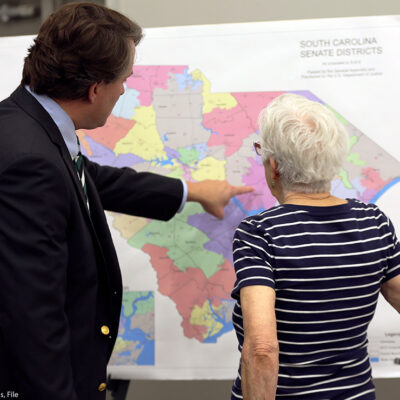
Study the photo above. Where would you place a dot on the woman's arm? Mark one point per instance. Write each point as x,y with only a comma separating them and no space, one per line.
260,348
391,292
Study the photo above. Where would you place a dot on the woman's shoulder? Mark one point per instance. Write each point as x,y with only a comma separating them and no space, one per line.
263,215
357,204
361,207
264,219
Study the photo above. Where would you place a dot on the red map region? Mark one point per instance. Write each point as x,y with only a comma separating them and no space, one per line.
253,103
230,127
372,179
372,183
261,197
113,131
190,287
146,78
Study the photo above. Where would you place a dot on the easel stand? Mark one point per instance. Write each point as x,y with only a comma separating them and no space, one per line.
119,388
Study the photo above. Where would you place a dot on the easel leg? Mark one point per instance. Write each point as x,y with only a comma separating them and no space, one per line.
119,388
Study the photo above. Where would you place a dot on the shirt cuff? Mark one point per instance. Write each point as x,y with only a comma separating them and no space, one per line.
184,197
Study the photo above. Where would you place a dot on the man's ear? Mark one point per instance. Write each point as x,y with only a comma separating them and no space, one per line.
93,92
274,168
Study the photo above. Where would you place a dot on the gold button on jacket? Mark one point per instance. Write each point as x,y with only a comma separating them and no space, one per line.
105,330
102,387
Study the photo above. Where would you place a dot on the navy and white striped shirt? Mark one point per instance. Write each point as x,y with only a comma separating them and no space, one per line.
326,265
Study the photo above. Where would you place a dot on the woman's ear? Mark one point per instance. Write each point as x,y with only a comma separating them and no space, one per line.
274,168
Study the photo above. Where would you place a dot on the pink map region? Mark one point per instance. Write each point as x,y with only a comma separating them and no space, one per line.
190,287
372,182
146,78
261,197
230,127
253,103
113,131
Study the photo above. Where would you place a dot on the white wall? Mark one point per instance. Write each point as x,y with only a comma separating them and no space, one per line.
152,13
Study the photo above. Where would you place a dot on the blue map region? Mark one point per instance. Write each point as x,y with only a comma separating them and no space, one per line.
209,130
146,357
244,211
143,341
358,186
203,149
338,189
184,80
171,152
163,161
225,319
384,189
125,106
105,156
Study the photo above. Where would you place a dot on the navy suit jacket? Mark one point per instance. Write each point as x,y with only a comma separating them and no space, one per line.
60,281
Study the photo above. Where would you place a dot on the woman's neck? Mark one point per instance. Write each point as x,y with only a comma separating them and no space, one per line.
324,199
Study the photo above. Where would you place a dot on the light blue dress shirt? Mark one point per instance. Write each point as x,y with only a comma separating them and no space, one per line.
67,129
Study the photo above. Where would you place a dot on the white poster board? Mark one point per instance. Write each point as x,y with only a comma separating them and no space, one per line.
350,64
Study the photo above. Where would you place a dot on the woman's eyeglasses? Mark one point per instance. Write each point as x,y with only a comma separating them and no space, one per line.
257,148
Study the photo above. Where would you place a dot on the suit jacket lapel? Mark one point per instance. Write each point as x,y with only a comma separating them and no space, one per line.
29,104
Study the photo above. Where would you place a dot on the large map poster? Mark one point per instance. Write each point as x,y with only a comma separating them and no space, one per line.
190,111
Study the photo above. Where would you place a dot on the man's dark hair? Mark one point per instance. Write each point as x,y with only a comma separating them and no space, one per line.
78,45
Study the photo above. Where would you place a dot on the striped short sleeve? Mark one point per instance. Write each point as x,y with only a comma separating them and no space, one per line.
252,258
393,256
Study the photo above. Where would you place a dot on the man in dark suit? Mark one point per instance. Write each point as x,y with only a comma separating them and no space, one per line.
60,283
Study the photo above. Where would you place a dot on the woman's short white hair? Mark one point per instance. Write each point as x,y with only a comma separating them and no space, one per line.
306,140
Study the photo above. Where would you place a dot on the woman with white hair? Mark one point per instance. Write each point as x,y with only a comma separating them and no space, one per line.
309,271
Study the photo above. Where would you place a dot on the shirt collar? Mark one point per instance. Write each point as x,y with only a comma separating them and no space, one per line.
61,119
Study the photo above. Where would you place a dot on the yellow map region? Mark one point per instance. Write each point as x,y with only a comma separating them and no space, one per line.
204,316
213,100
133,347
209,168
143,139
128,225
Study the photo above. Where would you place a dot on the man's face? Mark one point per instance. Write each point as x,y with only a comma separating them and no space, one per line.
109,93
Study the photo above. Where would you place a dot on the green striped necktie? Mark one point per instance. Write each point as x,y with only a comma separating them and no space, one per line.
78,161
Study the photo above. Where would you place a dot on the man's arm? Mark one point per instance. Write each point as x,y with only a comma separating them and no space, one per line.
35,333
143,194
260,348
214,195
155,196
